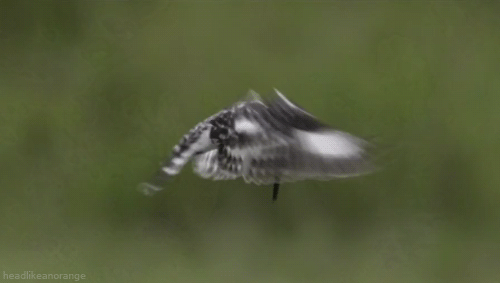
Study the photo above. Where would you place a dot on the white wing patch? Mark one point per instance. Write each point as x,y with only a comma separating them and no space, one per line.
329,143
246,126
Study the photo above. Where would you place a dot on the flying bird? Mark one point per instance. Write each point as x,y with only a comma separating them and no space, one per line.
266,142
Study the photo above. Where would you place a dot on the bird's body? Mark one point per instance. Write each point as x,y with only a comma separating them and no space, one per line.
267,143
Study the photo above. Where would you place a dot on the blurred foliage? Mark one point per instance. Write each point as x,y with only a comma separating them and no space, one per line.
94,94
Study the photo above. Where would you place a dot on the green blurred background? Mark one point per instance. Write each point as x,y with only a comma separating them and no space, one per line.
94,94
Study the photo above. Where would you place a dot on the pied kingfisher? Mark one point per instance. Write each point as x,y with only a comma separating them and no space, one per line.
266,142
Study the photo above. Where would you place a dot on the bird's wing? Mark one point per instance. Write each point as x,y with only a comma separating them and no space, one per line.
280,141
313,150
324,155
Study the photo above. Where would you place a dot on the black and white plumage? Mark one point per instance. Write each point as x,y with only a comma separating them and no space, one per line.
266,142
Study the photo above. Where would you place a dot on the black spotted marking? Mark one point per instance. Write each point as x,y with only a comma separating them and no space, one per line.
223,128
184,147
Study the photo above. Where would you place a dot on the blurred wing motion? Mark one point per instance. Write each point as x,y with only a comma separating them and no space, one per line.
269,142
280,142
